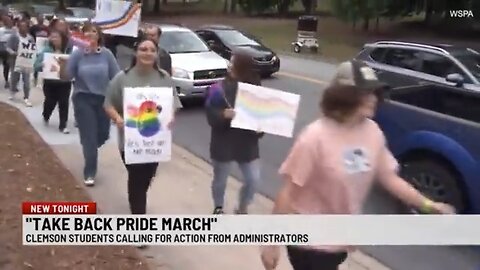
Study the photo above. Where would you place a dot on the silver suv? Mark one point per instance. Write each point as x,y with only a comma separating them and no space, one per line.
405,64
194,65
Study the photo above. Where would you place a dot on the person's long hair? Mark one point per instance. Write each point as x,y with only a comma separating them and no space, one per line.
63,40
244,68
133,62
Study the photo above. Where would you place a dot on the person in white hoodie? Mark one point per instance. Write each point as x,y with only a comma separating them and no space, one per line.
22,37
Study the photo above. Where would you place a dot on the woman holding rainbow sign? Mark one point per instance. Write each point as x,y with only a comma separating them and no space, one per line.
230,144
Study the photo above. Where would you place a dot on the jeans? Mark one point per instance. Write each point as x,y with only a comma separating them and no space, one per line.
6,65
251,175
307,259
26,82
139,179
56,92
93,126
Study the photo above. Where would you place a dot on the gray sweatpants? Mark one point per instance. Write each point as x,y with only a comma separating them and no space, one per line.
15,79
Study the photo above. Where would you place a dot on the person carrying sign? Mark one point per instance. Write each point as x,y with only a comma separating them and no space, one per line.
21,48
56,91
144,72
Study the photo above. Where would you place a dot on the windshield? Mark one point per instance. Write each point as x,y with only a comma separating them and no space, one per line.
43,9
182,42
235,38
471,60
82,12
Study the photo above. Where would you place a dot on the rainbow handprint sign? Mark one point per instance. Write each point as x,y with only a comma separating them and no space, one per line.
145,118
147,110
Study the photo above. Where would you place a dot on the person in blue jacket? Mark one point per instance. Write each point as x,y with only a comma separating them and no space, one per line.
56,91
91,68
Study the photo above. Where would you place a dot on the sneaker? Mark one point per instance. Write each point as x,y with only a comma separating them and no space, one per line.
65,131
27,103
12,96
7,85
218,211
89,182
241,212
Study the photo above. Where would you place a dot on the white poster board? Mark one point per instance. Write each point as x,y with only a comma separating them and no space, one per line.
42,42
147,112
118,17
51,68
26,55
267,110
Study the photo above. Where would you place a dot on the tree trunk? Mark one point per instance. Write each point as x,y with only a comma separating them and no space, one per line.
377,24
366,23
225,6
283,7
308,5
428,11
233,6
61,5
156,6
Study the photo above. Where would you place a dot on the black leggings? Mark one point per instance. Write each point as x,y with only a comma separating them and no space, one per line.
6,65
139,179
56,93
308,259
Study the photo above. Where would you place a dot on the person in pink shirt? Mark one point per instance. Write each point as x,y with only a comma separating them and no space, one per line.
334,163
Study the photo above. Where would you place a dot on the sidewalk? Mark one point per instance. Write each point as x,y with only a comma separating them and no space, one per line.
181,187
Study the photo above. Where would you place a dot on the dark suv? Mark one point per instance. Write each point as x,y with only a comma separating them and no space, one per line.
406,64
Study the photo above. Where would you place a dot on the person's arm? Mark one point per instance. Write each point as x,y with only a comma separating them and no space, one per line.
38,64
12,44
69,67
113,68
113,97
215,109
387,175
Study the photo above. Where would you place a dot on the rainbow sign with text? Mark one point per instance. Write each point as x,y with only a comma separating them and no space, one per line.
118,17
267,110
147,112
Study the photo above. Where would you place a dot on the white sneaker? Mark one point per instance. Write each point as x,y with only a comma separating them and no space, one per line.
65,131
89,182
27,103
12,96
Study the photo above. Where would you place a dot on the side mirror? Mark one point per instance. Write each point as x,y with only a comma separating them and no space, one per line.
456,79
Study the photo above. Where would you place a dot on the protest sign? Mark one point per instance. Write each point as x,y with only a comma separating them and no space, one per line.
26,54
118,17
147,112
267,110
51,68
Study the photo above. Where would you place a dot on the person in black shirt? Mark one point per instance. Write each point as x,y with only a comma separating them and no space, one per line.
154,33
227,144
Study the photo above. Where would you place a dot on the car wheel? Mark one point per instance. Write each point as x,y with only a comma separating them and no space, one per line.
297,48
436,181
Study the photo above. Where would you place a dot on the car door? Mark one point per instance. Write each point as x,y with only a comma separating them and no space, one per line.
437,67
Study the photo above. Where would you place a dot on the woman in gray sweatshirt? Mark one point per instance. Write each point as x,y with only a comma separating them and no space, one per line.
91,69
143,73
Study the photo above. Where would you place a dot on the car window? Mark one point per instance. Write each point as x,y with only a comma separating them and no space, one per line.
471,60
235,38
403,58
378,54
438,65
182,42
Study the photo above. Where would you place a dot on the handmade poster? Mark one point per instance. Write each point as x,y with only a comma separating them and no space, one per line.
118,17
51,68
26,54
266,110
41,42
147,112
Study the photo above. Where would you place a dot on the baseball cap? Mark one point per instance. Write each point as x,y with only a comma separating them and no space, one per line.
357,73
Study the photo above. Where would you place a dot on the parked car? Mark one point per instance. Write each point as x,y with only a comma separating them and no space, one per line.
404,64
433,131
223,39
194,65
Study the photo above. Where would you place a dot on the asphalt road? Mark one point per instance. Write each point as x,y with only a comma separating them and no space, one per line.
308,79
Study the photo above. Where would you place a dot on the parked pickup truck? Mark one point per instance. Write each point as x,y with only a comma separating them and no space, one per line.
434,132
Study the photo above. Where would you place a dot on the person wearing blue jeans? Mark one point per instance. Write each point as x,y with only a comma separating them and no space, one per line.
228,145
91,69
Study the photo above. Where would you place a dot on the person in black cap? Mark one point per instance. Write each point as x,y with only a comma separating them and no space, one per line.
335,161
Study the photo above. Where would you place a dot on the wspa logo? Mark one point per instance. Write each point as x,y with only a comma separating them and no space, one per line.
465,13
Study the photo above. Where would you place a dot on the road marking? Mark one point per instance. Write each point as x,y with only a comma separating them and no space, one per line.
300,77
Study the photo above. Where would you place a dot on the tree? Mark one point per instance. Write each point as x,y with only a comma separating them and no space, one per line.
156,6
309,5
